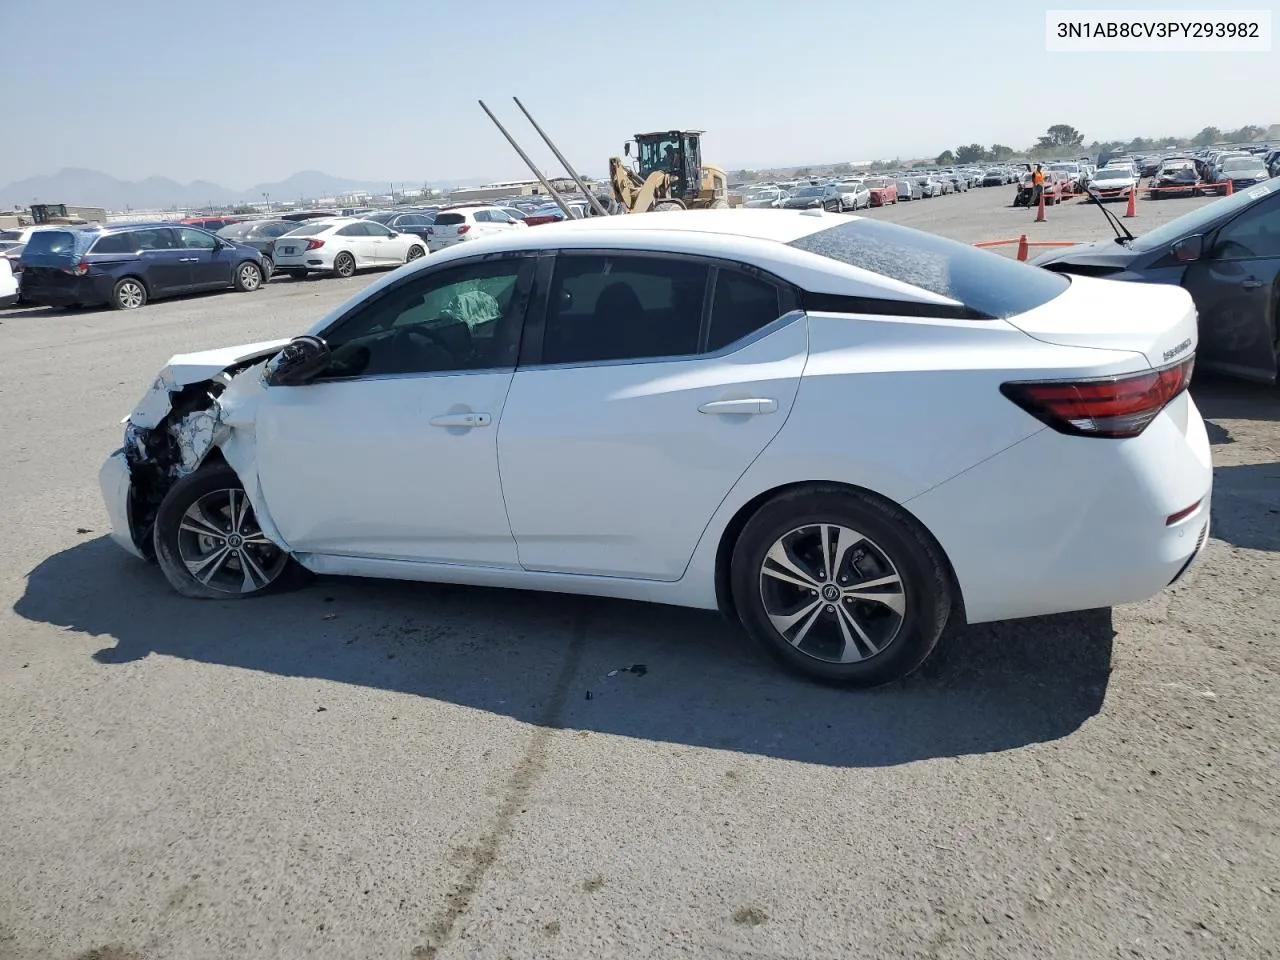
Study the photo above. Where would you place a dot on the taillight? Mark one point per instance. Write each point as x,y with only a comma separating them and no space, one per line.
314,244
463,229
1112,407
79,270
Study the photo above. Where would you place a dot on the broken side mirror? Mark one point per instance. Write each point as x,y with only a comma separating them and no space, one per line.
1189,249
298,363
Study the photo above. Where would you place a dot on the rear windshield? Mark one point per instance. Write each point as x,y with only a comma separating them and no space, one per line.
450,219
308,230
987,282
51,241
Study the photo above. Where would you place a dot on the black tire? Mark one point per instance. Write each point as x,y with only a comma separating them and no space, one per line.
247,278
268,268
344,265
296,274
416,252
129,293
892,536
170,536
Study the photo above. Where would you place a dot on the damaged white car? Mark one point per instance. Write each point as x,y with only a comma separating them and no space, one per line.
825,426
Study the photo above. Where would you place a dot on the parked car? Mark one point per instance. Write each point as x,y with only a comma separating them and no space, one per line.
959,182
1241,173
262,236
212,224
1113,183
854,195
463,224
127,265
995,177
827,196
406,221
883,191
768,199
1176,178
550,213
8,284
342,246
1226,254
929,186
908,188
713,353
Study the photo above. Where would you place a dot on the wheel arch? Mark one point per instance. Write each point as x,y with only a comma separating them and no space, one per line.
733,530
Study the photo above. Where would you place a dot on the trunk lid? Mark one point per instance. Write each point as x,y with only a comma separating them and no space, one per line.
57,249
449,226
1153,319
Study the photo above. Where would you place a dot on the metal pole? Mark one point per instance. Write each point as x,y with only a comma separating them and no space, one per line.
590,197
560,202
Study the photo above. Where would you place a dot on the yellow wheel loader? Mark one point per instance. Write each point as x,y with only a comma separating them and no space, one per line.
668,175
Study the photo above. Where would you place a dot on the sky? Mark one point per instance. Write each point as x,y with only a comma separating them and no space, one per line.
245,91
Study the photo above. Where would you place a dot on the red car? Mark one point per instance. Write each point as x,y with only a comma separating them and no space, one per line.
883,191
212,224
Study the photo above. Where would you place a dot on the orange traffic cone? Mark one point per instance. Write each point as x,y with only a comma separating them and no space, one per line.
1022,247
1132,210
1040,217
1229,190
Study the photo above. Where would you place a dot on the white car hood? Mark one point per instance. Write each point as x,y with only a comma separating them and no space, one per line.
188,368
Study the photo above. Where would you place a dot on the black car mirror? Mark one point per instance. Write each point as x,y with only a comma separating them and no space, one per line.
1189,249
298,363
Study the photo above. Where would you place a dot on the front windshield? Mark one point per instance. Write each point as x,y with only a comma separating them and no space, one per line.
1113,174
1241,163
1200,219
809,192
877,182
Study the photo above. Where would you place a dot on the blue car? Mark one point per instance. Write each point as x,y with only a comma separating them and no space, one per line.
128,264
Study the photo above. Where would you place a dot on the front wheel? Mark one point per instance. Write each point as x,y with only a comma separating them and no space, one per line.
415,253
344,265
248,277
209,544
842,587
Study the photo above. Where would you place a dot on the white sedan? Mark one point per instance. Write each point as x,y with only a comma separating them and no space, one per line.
343,245
839,431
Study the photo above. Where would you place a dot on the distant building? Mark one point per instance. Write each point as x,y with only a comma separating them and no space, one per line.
510,188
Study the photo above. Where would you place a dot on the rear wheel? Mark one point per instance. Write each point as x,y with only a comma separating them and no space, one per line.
668,205
268,268
841,587
248,277
344,265
129,294
209,544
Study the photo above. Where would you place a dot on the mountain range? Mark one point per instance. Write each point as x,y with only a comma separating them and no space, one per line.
74,185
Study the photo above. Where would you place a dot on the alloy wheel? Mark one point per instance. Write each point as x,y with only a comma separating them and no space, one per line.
130,295
223,547
250,277
832,593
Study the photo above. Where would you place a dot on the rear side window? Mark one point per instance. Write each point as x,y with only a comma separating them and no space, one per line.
116,243
51,241
988,283
309,230
450,219
161,238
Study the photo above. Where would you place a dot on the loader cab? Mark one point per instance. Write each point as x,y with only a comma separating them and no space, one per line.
675,152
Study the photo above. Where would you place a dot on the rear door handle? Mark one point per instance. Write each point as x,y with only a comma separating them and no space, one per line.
188,259
752,406
462,420
1251,283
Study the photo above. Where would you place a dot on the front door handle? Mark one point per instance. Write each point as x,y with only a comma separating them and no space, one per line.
462,420
1251,283
752,406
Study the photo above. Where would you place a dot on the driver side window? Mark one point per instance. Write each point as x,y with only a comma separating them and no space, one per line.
1252,235
464,317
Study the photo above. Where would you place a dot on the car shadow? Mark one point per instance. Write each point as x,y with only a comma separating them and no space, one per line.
631,669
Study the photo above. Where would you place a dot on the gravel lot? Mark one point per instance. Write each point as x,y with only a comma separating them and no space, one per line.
381,770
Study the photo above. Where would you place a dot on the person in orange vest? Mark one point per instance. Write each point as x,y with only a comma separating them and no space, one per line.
1037,186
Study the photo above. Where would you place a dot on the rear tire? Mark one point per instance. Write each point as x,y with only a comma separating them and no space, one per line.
268,268
129,293
344,265
847,636
297,274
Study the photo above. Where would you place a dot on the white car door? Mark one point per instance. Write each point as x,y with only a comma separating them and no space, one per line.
355,239
629,419
389,246
392,452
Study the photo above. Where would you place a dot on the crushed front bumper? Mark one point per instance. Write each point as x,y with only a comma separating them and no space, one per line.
117,496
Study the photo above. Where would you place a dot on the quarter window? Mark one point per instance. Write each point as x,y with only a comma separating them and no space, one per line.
623,308
466,317
740,306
